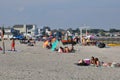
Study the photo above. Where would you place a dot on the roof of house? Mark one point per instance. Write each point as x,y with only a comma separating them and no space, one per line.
18,26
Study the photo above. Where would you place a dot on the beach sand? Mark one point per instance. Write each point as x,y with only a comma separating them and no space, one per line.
37,63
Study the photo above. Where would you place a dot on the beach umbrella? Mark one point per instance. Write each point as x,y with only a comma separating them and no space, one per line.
60,44
54,45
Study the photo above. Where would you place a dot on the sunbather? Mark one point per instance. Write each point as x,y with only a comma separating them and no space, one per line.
71,49
97,62
82,62
92,60
61,50
66,50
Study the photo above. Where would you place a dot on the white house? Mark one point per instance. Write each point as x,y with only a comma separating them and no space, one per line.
27,29
9,33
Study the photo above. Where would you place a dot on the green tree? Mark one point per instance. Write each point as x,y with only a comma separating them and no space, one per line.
102,32
113,30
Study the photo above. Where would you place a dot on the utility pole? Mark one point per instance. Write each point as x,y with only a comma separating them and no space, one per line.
86,32
81,35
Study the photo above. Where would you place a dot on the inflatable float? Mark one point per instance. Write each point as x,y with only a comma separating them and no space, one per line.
113,44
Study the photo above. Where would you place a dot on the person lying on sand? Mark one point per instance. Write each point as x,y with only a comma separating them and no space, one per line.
66,49
82,62
71,49
86,62
61,50
93,61
97,62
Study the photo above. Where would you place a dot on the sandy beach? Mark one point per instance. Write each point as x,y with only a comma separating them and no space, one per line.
38,63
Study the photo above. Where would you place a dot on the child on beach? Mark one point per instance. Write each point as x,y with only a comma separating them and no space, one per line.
13,45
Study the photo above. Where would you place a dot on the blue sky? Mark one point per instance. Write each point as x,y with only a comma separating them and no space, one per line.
61,13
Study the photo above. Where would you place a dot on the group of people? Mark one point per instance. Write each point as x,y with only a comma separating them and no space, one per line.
30,43
88,41
85,62
49,43
95,62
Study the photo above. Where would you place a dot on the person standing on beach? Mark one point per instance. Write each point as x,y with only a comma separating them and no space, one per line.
13,45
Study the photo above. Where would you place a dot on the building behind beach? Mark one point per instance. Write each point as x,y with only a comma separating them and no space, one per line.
27,29
9,33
